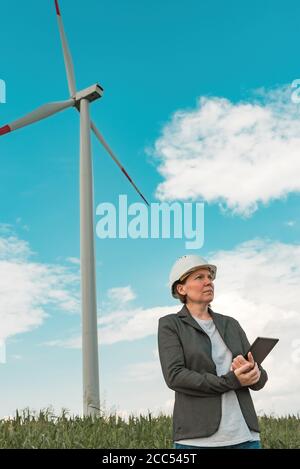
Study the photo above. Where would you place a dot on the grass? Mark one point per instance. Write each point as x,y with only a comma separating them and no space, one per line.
43,429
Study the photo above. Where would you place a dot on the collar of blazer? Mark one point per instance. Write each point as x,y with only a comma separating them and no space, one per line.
219,320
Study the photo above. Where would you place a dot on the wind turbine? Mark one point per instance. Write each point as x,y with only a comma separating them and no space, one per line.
81,100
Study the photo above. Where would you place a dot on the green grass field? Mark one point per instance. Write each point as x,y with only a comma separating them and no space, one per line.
45,430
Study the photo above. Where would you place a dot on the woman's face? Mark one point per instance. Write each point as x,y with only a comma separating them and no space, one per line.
198,286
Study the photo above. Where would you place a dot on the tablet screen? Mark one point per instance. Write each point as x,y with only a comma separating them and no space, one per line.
261,347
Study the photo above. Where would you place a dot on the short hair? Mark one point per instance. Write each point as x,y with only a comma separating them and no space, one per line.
178,295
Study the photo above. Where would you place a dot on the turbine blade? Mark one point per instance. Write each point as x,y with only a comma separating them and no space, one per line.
101,139
37,115
66,51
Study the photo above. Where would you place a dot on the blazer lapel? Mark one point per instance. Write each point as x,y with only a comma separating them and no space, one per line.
220,322
185,315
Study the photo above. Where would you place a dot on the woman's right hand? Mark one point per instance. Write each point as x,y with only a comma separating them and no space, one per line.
246,377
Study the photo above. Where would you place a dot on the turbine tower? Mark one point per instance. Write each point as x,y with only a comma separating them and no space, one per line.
81,100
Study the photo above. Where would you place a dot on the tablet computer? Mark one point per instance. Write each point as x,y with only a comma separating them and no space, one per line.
260,348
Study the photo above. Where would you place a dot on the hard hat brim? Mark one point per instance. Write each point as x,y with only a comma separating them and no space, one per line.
211,267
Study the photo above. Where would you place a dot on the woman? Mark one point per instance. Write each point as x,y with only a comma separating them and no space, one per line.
213,406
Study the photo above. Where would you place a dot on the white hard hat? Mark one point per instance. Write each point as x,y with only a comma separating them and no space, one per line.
186,265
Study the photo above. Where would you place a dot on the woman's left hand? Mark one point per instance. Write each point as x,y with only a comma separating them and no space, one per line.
240,361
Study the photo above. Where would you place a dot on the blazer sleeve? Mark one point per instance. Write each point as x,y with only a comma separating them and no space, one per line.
263,376
181,379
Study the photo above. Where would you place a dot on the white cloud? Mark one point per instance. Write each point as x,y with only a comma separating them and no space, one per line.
130,324
122,325
73,260
28,289
5,228
121,294
258,282
290,223
237,154
12,248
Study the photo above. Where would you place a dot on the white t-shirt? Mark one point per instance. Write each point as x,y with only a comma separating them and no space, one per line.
233,428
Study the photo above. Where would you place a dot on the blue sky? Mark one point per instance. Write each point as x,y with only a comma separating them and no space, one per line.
182,112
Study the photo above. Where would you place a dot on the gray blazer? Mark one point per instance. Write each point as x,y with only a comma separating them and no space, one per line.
187,366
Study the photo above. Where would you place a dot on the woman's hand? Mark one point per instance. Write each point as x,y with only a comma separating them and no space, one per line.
246,371
246,377
240,361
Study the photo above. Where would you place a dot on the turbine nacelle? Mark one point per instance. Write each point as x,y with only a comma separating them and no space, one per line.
91,94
